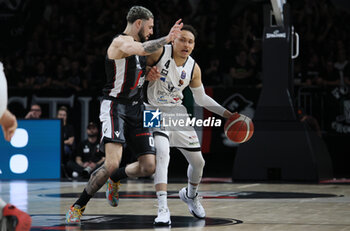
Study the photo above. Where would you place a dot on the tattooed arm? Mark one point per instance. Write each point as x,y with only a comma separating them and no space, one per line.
153,45
124,46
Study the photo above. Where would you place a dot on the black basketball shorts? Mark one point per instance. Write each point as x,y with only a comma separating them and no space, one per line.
123,123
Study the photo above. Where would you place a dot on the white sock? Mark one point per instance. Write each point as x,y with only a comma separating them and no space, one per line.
162,199
191,190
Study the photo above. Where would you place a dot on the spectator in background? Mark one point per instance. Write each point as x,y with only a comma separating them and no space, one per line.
66,64
212,74
242,71
312,70
34,112
68,134
87,155
59,81
330,76
343,67
299,75
40,79
74,81
18,75
255,54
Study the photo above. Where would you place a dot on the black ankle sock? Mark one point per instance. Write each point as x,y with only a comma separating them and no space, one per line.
83,199
119,174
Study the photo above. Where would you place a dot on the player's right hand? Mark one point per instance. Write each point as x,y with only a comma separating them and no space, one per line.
175,31
153,74
228,114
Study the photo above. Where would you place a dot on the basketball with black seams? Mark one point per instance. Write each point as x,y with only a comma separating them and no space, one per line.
239,128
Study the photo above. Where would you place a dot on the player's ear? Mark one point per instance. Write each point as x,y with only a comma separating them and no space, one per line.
138,23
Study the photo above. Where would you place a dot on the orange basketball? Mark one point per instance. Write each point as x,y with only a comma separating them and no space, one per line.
239,128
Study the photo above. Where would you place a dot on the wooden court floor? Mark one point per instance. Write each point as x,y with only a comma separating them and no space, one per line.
229,206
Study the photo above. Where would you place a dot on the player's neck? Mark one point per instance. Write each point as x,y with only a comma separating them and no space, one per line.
130,32
179,60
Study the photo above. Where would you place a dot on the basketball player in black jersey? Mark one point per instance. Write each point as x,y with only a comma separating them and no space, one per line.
122,108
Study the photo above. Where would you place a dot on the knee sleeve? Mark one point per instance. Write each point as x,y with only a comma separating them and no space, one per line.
195,165
162,159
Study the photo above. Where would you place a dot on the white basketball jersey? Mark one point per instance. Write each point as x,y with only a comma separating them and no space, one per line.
167,91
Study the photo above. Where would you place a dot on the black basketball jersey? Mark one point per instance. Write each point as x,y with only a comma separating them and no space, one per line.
125,78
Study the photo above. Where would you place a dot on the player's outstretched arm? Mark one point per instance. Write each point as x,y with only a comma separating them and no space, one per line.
124,46
202,99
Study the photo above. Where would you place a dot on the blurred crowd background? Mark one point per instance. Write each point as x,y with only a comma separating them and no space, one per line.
64,46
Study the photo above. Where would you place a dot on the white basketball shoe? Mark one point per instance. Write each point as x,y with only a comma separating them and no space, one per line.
194,205
163,217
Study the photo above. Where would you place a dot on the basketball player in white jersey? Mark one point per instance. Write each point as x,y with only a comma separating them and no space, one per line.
178,70
122,107
11,218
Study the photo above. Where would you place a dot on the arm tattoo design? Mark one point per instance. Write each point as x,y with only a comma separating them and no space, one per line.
97,180
153,45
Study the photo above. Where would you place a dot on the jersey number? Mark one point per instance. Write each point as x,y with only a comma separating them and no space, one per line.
167,64
151,141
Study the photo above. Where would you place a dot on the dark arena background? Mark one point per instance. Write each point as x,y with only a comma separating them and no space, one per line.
284,64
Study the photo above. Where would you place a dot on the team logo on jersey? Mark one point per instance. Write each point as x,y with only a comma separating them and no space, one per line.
181,82
170,87
151,118
183,74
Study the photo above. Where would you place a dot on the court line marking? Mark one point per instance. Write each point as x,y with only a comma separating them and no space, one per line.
248,186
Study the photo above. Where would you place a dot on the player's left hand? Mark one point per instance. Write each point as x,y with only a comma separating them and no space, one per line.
153,74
